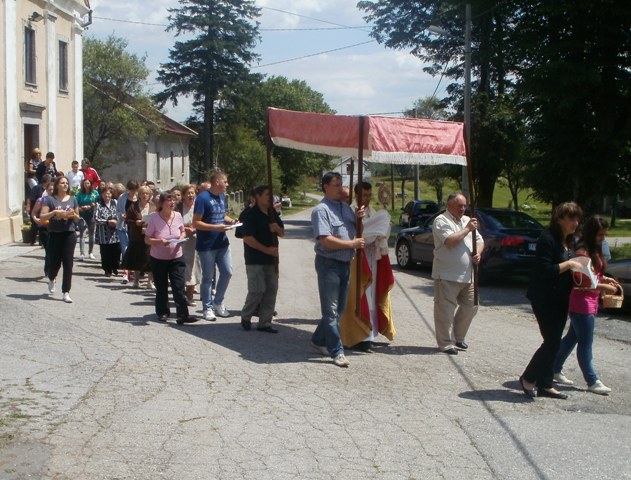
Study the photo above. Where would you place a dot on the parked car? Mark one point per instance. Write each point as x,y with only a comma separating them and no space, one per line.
510,240
621,271
416,211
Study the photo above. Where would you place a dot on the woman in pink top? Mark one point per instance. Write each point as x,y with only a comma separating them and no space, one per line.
165,230
584,306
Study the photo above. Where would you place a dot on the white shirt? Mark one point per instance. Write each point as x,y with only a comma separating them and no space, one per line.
74,179
455,263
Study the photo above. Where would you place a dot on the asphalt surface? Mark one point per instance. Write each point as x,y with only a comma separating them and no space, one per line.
98,389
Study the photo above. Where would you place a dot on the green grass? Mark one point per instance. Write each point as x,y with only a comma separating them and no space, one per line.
623,251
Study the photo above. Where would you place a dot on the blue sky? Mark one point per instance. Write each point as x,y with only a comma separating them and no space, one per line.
364,79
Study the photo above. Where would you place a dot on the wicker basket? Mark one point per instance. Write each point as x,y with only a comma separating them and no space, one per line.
613,301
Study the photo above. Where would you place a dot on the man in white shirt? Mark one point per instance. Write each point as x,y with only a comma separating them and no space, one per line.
452,271
75,177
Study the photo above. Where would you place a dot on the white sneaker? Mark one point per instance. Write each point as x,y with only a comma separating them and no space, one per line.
51,286
320,349
599,388
125,280
67,298
92,257
190,302
341,361
81,258
150,286
221,310
561,379
209,315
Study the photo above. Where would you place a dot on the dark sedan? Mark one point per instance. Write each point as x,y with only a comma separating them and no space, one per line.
416,211
510,240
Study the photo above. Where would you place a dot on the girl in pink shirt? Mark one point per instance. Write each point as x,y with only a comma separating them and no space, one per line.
584,306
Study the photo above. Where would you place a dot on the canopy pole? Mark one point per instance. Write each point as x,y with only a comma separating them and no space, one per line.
271,210
358,221
474,248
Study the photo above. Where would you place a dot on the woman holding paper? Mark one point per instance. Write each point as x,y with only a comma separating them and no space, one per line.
165,234
584,305
549,294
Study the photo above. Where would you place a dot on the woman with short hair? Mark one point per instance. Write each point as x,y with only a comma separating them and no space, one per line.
106,235
193,268
136,256
165,233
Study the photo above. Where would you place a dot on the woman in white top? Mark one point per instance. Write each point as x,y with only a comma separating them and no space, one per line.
193,269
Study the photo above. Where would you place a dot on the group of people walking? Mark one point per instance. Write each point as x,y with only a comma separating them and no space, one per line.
178,239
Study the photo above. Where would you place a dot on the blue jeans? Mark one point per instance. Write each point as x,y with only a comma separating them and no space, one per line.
123,237
581,332
222,258
333,278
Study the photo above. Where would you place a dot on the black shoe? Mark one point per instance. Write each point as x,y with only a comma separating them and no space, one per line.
530,392
187,319
365,347
450,351
163,318
461,345
542,392
267,330
246,324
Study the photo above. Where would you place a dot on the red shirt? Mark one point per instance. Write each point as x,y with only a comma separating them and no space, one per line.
90,174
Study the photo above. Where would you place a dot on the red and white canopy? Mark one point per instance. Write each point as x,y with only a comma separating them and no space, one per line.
386,139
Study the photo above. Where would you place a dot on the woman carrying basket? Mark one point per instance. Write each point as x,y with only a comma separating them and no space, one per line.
584,306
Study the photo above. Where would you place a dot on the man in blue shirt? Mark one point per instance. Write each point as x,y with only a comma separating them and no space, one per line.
213,247
333,224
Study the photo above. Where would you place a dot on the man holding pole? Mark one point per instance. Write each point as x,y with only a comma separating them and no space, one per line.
452,271
333,223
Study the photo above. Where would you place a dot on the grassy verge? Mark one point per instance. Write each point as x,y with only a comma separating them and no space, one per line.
623,251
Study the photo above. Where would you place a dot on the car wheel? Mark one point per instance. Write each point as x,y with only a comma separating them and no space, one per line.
404,255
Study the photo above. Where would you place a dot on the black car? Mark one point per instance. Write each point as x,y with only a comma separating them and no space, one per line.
510,240
416,211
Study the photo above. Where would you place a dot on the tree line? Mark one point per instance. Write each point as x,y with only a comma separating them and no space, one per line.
551,103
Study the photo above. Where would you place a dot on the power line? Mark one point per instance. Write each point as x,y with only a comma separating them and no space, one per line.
339,27
313,54
305,16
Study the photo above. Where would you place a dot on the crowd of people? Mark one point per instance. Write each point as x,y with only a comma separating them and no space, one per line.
178,239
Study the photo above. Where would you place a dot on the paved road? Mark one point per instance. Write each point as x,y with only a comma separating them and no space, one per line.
99,390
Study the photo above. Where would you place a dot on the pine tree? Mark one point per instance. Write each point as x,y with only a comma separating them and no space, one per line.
223,32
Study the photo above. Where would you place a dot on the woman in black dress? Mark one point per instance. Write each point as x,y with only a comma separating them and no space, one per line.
137,254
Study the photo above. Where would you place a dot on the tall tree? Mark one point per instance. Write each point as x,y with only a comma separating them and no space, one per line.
224,35
574,79
115,106
403,24
278,92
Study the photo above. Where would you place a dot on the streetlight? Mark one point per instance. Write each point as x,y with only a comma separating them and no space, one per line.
467,89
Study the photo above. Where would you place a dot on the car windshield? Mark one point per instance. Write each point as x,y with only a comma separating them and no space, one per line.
511,220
